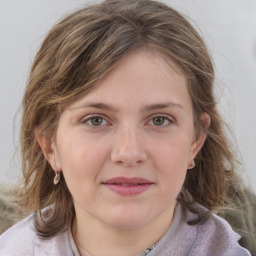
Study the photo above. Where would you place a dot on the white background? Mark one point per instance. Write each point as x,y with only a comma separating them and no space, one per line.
229,28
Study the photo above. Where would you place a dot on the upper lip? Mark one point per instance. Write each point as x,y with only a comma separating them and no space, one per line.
124,180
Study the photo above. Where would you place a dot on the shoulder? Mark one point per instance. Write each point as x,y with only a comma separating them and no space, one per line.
213,238
216,237
18,238
21,239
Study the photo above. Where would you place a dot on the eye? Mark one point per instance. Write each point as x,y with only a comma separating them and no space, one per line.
160,121
95,121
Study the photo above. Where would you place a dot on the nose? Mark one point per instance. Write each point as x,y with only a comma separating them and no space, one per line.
128,149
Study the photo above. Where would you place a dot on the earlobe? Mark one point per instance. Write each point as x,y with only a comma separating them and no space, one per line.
49,150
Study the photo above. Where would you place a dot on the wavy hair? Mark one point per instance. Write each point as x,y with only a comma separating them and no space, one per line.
76,54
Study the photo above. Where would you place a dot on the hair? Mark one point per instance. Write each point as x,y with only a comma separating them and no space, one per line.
75,55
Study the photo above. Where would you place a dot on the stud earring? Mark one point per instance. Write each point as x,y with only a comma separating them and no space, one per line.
192,165
56,178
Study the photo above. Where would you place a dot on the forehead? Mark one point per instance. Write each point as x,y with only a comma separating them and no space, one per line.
143,76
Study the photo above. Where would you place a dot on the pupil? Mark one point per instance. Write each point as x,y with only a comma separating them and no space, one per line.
96,121
158,121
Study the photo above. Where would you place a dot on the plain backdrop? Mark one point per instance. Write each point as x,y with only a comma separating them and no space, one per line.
229,28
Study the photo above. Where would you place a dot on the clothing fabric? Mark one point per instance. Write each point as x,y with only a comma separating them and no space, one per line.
85,253
213,238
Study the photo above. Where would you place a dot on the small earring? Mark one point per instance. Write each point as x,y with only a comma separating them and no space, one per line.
56,178
192,165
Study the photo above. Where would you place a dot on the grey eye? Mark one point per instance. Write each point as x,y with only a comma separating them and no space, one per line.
96,121
159,120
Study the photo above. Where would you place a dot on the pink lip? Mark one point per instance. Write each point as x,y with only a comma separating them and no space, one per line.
128,186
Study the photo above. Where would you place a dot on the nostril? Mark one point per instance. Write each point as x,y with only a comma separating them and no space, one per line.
128,160
128,150
129,164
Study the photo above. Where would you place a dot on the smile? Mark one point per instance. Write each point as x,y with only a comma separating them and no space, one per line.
128,186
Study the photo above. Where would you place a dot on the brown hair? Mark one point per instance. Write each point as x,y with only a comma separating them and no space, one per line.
75,55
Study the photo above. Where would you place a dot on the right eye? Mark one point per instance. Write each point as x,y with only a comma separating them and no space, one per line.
95,121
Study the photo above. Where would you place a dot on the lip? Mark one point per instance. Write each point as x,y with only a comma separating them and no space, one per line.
128,186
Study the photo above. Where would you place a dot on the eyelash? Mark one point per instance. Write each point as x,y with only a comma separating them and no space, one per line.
90,118
165,118
106,123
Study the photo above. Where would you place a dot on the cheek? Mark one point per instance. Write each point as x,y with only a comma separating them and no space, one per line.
173,151
171,158
81,167
81,159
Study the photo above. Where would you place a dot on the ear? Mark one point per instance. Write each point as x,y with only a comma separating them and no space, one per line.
49,150
200,136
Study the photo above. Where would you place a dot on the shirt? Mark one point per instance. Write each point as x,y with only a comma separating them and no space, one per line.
213,238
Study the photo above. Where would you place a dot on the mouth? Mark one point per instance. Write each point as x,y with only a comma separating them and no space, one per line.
128,186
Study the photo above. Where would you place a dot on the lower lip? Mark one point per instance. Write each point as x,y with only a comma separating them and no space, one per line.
128,190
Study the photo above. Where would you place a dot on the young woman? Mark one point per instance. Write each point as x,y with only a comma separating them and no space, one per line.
124,152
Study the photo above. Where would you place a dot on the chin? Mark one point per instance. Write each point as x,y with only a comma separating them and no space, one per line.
128,219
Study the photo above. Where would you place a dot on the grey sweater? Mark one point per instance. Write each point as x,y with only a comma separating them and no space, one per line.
213,238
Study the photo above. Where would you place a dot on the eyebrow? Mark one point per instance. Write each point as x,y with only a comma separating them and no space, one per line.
98,106
162,106
150,107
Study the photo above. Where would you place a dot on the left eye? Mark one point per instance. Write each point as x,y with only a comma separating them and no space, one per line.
96,121
160,121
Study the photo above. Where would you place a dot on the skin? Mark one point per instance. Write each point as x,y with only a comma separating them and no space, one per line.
137,122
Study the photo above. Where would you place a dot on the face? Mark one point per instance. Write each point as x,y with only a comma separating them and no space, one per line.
124,148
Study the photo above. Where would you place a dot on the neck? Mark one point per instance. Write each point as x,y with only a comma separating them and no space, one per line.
98,238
